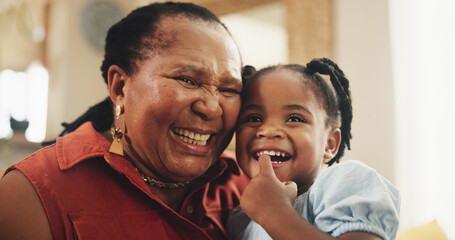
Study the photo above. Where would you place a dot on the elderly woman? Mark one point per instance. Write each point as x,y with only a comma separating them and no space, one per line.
174,77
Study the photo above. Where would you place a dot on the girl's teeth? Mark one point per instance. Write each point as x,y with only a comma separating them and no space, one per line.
271,153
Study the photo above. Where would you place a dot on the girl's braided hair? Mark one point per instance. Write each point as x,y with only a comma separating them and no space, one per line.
337,97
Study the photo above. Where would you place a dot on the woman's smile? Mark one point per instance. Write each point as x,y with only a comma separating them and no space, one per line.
194,142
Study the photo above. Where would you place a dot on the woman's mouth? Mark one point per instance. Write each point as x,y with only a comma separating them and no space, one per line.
275,155
192,137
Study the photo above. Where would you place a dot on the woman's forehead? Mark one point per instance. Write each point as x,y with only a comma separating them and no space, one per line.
170,29
194,40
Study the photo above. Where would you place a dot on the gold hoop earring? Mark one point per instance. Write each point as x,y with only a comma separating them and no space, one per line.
117,134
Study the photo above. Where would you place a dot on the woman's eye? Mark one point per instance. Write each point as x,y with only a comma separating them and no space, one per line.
187,82
229,92
295,119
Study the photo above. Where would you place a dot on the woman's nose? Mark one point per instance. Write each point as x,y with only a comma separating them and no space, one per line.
270,130
208,105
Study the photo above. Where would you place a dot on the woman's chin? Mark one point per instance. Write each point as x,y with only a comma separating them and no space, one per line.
188,173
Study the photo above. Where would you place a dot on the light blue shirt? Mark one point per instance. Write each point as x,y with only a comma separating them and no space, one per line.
346,197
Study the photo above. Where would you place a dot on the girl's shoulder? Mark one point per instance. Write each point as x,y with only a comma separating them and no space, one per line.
352,196
349,171
351,177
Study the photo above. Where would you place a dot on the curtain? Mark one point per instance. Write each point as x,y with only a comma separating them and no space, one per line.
423,51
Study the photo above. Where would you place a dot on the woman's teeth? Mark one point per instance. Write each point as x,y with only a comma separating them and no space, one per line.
192,137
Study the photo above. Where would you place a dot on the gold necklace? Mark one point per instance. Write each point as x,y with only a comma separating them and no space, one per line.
160,184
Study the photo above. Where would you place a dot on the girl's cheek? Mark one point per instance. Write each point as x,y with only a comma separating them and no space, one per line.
254,169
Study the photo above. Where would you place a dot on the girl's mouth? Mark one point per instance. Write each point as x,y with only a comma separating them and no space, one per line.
275,155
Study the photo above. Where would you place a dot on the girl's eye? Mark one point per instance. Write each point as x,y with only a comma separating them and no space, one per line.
295,118
187,82
253,119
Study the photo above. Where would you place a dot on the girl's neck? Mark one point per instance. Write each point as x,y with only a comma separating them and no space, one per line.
303,189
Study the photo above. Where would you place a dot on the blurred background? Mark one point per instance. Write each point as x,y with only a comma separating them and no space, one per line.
397,54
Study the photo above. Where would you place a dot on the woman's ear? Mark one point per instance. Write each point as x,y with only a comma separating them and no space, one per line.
333,144
116,78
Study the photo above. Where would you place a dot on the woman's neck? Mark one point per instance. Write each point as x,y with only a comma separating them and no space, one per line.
173,198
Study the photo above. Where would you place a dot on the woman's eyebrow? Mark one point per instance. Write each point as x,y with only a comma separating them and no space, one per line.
199,71
189,69
231,81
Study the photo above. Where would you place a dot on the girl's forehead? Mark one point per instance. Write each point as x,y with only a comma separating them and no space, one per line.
283,78
282,86
283,83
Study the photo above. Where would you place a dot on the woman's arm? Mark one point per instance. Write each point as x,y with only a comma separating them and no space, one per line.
269,202
22,215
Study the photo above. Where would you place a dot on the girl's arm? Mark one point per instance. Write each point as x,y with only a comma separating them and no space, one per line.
269,202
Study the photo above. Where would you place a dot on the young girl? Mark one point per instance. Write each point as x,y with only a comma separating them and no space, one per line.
292,121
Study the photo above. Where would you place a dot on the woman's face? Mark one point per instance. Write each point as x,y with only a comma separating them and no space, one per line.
181,105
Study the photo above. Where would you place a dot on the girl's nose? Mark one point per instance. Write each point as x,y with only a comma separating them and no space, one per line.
270,130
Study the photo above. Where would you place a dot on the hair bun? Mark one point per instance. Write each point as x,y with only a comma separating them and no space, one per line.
319,65
247,71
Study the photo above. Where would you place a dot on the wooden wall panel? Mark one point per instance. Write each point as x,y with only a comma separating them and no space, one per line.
223,7
309,24
310,29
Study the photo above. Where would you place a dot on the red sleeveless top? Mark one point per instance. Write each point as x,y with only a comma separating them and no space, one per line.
89,193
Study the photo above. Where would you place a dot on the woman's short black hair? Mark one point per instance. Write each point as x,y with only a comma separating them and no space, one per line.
134,35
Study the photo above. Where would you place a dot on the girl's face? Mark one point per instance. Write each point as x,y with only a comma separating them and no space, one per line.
284,118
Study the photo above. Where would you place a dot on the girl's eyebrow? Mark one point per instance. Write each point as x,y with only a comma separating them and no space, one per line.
252,107
298,107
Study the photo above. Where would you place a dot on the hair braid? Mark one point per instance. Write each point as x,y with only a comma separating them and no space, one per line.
341,86
101,115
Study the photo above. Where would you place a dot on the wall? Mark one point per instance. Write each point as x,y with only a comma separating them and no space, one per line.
362,49
260,33
76,82
75,79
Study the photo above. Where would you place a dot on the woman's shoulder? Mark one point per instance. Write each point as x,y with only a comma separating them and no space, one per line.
22,215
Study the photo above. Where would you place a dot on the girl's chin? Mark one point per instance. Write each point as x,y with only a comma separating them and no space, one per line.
253,172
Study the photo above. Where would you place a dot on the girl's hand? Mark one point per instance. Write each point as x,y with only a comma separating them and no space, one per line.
269,202
265,196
